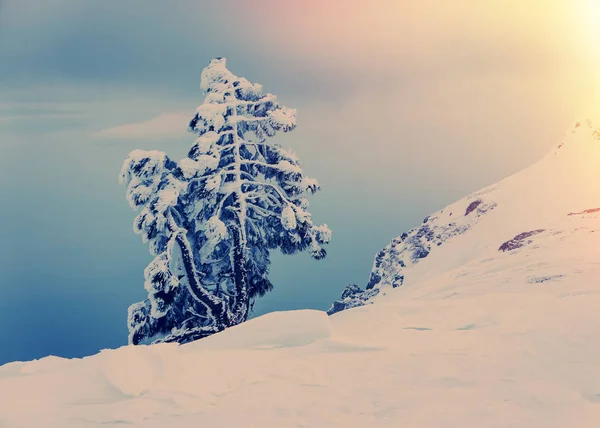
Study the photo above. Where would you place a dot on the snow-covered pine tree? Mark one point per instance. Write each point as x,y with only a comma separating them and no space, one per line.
212,219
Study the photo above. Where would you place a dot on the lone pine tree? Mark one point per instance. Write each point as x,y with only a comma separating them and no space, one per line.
212,219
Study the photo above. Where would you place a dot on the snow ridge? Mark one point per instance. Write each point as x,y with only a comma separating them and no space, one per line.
569,170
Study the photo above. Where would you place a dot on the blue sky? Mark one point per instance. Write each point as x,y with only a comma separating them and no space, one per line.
396,120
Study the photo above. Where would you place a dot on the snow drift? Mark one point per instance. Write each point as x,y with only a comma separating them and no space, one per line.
485,315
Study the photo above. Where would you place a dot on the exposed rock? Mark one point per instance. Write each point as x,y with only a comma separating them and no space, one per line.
411,247
541,279
519,240
472,206
590,211
352,297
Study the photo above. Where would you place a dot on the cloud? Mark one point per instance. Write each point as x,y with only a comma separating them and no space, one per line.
27,118
39,116
31,112
165,125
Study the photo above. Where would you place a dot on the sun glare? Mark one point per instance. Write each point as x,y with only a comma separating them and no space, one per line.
593,26
592,42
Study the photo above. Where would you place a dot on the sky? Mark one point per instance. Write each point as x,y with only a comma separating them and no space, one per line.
403,107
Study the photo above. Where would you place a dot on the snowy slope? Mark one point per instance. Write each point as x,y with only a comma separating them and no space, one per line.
565,181
496,327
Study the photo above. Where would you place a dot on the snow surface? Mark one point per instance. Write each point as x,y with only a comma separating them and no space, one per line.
475,336
524,203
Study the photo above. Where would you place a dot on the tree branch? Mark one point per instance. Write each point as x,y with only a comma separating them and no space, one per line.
269,185
284,153
264,212
214,305
268,165
266,197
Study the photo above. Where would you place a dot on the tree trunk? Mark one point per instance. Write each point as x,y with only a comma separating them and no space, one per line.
216,306
239,251
240,274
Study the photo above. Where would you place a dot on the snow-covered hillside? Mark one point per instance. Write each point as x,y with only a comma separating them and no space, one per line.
495,327
516,212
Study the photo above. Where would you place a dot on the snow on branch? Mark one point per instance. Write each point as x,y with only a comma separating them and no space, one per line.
144,165
284,166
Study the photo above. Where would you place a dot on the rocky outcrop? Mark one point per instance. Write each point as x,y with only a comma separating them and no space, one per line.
519,241
415,245
352,297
